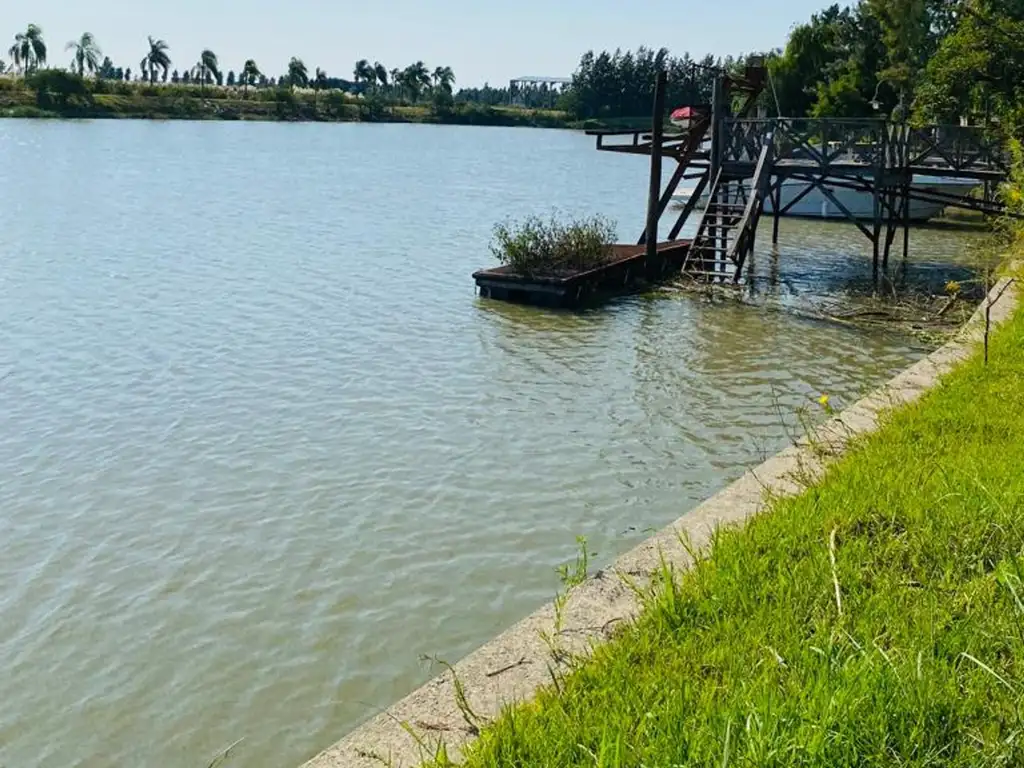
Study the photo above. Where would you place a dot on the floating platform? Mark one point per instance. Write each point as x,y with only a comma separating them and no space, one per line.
626,272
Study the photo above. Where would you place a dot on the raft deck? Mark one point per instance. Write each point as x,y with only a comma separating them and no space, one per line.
626,272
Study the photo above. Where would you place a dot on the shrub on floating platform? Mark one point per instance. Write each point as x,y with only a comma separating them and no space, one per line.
538,246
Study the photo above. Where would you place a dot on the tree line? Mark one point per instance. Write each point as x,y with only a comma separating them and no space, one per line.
29,55
928,60
925,60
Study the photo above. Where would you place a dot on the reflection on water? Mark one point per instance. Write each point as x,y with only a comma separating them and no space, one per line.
259,454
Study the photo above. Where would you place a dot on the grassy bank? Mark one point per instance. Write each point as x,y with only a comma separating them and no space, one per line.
877,619
73,98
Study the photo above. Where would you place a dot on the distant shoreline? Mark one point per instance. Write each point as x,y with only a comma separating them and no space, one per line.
507,118
264,105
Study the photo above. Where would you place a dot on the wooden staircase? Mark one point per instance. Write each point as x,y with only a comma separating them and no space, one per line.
728,225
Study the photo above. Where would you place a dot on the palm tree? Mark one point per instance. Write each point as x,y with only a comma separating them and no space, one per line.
157,58
298,75
250,75
29,50
364,72
319,83
443,79
206,69
87,54
396,77
381,74
416,77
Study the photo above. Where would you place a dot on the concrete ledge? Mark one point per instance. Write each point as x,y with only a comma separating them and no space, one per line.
511,667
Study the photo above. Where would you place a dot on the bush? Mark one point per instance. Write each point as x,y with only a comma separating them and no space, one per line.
442,104
56,86
373,108
535,246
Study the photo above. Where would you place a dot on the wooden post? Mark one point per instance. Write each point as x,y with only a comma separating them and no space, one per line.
654,192
717,114
906,220
876,228
890,226
776,205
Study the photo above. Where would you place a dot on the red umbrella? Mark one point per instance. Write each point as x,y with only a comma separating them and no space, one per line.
684,113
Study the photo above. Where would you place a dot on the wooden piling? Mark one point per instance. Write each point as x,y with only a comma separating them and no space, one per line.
776,205
876,229
654,192
906,220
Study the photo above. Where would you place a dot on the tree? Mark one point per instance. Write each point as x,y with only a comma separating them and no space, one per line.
186,77
3,67
444,78
298,75
106,70
231,78
319,84
128,75
206,69
396,79
87,54
119,74
380,74
415,78
904,26
29,50
363,72
157,59
442,103
250,75
977,70
175,78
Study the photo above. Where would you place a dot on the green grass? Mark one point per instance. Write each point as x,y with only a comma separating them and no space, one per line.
749,660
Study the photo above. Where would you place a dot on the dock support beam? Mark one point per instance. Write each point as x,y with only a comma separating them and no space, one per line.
654,192
906,220
876,228
776,206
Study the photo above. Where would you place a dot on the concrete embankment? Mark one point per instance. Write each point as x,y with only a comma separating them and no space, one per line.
515,664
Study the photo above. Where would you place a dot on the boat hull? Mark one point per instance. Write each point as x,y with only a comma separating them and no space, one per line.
860,203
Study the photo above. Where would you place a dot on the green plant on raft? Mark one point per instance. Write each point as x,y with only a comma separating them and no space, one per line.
552,246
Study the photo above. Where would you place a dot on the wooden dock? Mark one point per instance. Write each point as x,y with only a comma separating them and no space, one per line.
628,270
739,162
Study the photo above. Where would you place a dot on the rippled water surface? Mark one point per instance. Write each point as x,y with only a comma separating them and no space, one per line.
261,447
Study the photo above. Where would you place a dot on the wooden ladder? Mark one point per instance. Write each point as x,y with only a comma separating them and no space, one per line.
728,226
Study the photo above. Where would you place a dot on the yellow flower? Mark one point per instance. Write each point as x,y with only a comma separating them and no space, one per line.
952,287
823,400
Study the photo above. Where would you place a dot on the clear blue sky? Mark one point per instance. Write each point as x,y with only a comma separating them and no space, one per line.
482,40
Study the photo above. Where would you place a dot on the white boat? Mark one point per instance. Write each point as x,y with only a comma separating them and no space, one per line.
860,203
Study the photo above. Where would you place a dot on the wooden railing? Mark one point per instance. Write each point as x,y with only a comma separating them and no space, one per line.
821,142
957,148
825,143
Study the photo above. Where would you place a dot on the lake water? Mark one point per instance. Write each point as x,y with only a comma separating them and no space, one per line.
261,446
